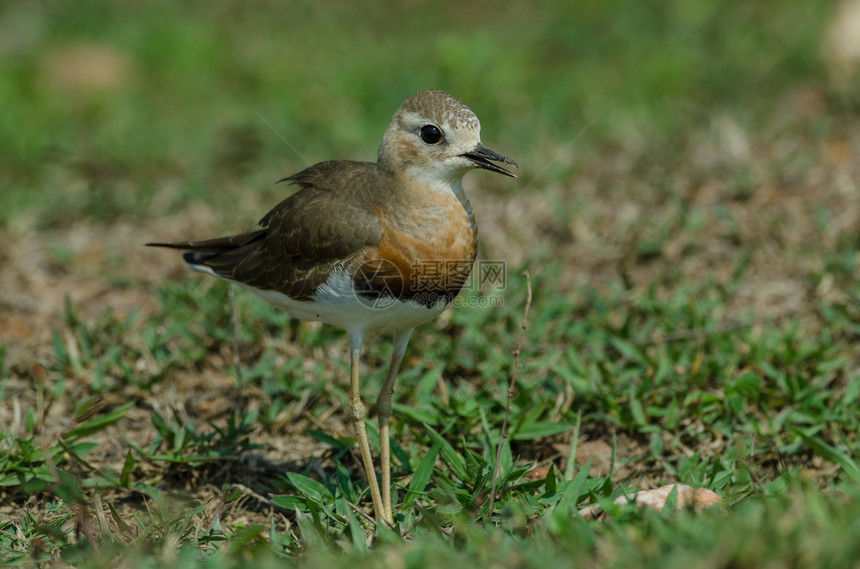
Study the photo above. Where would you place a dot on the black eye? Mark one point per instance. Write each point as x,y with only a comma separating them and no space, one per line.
431,134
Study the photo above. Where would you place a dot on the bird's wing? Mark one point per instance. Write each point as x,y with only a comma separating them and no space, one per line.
301,240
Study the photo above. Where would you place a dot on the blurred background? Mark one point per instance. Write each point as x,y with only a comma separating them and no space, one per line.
688,172
698,133
659,142
164,120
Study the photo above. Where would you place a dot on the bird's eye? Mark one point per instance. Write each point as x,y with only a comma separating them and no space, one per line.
431,134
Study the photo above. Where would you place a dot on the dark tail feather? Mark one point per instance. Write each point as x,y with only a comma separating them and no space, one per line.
212,246
224,255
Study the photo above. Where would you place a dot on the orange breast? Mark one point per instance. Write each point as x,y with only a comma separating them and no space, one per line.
424,258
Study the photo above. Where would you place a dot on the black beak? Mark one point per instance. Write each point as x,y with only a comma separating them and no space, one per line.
482,155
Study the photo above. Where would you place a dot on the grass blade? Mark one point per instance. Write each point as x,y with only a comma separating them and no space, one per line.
421,476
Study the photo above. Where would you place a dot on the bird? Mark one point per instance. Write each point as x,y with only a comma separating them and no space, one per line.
370,248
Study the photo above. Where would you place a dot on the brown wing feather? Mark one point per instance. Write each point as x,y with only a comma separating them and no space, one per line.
303,238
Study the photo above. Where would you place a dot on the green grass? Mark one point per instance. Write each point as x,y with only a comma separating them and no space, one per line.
685,212
242,90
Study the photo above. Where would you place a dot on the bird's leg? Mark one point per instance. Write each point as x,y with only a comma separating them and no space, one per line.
359,411
384,410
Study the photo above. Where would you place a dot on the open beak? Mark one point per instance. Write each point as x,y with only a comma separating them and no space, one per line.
481,157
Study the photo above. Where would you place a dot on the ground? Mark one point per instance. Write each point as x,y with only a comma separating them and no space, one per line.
694,276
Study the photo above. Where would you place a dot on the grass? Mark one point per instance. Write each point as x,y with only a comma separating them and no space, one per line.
687,212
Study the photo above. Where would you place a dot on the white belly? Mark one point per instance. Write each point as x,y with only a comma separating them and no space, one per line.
336,303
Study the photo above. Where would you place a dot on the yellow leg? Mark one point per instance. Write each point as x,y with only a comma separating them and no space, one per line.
358,411
384,410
